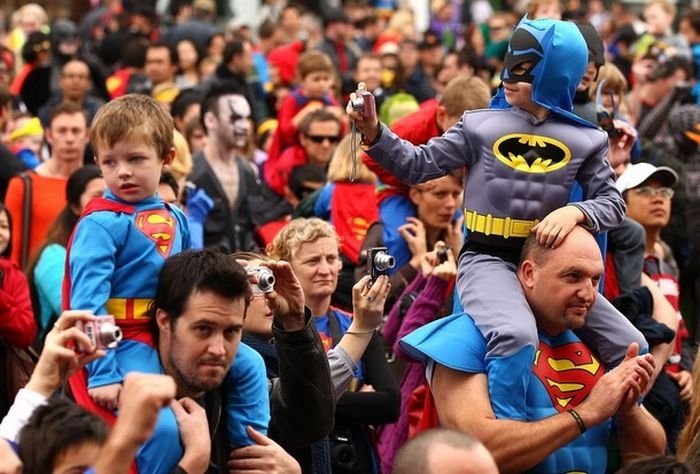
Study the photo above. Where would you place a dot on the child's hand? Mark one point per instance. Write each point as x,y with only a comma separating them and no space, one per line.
557,225
106,396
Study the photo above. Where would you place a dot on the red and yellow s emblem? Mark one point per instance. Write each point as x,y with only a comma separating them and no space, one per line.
326,340
158,226
568,372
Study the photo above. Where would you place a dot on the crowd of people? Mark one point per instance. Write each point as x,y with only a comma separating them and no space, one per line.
365,236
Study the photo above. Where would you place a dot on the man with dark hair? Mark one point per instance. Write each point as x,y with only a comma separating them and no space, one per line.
319,134
444,451
61,436
161,64
186,106
74,86
199,308
223,172
67,133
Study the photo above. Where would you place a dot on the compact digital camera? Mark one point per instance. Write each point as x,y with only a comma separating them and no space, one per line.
364,101
442,254
266,279
379,262
102,332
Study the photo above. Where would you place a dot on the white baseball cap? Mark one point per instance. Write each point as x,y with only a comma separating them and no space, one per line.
635,175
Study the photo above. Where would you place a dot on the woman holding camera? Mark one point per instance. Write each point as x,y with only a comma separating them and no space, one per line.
436,203
426,298
372,397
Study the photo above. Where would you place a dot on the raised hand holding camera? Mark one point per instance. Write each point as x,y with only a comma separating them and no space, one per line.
362,110
378,263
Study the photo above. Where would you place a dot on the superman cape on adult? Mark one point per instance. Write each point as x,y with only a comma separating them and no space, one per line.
563,373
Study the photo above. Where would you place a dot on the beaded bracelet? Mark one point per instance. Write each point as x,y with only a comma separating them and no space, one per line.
578,419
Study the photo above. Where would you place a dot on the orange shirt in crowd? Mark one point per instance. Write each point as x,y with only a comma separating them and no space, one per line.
48,199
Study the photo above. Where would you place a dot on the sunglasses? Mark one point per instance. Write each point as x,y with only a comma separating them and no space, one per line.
332,139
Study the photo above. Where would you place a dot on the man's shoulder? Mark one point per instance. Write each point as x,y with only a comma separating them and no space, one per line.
453,341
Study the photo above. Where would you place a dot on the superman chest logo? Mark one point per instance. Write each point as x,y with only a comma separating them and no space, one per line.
531,153
326,340
159,227
567,372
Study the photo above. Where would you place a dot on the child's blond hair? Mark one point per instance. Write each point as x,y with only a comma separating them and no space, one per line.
340,166
133,115
314,61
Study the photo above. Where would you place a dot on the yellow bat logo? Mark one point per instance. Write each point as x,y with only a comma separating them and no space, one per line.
531,153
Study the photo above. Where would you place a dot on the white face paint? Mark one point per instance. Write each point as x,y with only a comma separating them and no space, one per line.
234,120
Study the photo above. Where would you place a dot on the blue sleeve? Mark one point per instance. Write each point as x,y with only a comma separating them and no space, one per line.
453,341
91,265
393,212
48,278
322,208
247,401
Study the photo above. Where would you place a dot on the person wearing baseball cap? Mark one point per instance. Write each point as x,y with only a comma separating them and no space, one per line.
636,175
647,190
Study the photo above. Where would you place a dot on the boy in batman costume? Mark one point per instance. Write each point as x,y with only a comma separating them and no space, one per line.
523,155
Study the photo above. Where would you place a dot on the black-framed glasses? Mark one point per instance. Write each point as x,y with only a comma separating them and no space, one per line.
332,139
649,191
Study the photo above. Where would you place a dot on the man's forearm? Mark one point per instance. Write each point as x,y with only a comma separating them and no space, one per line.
640,434
463,403
518,446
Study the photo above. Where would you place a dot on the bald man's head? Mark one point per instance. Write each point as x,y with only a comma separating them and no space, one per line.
444,451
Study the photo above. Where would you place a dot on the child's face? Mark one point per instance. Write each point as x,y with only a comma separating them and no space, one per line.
657,20
317,84
4,232
549,10
30,142
131,167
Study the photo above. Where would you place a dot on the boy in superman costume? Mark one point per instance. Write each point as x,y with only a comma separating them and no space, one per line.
115,255
113,264
523,156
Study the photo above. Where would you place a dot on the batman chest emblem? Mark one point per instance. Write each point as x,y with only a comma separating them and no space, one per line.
531,153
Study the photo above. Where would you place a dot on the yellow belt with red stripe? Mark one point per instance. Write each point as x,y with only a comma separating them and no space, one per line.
500,226
125,309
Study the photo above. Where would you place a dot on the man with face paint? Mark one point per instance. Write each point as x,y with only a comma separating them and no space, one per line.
222,171
523,156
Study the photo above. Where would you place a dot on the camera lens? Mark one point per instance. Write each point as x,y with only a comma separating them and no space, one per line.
358,104
383,261
110,335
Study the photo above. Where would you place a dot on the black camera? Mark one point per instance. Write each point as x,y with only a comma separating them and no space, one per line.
378,262
442,254
343,453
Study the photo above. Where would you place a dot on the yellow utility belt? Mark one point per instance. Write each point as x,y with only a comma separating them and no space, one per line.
128,308
501,226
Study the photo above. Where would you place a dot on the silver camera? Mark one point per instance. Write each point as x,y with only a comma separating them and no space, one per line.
265,277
